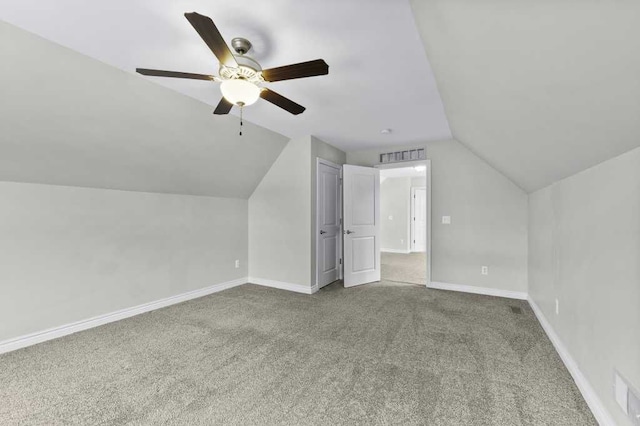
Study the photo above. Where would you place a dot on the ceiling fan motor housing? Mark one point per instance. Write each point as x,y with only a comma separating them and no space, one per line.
248,69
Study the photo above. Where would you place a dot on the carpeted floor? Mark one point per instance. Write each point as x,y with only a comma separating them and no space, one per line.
382,353
407,268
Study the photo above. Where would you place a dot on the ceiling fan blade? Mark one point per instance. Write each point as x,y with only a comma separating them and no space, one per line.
284,103
224,107
175,74
301,70
210,34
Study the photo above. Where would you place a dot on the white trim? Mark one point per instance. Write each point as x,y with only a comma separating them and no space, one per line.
298,288
479,290
402,164
74,327
386,250
320,160
598,409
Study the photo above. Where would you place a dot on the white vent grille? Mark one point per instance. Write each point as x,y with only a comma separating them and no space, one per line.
407,155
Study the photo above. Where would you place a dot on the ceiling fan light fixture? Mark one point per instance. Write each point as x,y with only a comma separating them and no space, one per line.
240,92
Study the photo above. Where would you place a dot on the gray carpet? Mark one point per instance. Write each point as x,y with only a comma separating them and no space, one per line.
407,268
377,354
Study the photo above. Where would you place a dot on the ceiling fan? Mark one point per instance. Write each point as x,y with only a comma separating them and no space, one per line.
241,76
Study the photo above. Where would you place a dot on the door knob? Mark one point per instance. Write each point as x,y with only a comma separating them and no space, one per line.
322,232
349,232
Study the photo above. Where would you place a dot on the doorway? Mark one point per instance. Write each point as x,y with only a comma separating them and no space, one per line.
404,199
348,238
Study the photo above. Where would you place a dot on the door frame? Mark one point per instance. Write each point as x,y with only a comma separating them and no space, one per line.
317,219
412,223
428,177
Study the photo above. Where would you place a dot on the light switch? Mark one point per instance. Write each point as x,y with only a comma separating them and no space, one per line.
446,220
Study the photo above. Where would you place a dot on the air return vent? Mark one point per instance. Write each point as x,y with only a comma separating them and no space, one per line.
407,155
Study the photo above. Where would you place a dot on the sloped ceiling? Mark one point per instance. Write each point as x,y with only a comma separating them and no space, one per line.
372,47
539,89
67,119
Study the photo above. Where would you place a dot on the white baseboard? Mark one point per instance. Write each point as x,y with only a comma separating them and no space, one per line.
588,393
64,330
384,250
479,290
298,288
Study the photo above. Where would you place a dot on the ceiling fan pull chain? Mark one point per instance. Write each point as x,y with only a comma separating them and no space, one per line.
241,109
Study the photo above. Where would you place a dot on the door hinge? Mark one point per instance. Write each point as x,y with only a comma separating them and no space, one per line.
341,261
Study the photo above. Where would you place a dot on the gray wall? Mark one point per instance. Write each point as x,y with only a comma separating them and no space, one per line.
280,218
282,214
395,199
584,250
488,214
68,253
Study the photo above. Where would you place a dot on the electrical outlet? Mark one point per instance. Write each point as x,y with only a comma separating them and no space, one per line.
557,307
627,398
446,220
237,264
485,270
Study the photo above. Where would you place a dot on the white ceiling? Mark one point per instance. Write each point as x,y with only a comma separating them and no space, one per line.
539,89
379,75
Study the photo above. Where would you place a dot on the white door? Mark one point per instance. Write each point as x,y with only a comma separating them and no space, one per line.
328,237
419,219
361,187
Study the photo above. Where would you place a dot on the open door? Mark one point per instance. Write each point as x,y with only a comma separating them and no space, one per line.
328,224
361,189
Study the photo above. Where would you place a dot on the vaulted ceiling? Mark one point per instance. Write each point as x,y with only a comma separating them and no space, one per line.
539,89
372,47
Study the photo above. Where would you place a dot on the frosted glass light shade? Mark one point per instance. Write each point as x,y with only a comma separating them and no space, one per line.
240,91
